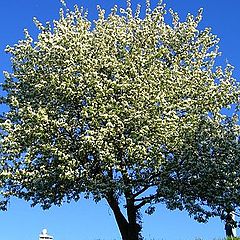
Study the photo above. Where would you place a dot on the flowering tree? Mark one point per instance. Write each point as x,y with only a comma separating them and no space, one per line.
125,108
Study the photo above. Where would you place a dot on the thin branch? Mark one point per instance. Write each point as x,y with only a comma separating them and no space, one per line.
141,191
144,200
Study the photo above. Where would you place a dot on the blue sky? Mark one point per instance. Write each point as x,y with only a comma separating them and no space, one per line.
86,220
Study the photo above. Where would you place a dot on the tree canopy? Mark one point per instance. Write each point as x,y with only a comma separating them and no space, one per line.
125,107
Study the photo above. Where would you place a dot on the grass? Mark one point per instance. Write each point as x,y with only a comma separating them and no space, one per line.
227,238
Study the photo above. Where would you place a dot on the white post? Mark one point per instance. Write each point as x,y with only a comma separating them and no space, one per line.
44,235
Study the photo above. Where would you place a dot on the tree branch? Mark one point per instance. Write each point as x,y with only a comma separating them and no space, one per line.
144,200
141,191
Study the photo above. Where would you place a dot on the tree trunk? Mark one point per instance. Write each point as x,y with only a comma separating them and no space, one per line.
129,229
134,227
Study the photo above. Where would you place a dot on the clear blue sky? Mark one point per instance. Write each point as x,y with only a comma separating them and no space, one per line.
86,220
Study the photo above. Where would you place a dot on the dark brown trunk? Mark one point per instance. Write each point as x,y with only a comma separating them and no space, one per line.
120,219
129,229
134,228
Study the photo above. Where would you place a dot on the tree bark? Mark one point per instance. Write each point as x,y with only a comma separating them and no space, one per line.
129,229
134,227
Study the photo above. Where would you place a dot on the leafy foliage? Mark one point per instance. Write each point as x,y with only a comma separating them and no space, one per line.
127,106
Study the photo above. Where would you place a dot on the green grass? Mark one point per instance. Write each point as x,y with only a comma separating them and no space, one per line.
232,238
